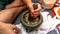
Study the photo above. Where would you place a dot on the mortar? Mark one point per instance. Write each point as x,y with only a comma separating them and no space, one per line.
28,21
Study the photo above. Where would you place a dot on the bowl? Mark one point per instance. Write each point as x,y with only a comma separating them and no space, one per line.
29,22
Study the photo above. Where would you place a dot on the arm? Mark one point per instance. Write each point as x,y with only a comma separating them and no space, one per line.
15,3
8,15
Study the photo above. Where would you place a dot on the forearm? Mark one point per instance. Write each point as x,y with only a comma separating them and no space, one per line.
9,15
28,2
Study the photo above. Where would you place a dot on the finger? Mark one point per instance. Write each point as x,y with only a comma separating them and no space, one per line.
36,13
35,16
15,4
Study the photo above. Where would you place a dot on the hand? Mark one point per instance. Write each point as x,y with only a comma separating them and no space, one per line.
8,29
36,12
29,4
15,3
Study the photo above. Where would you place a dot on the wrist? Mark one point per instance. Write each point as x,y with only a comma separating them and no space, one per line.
27,2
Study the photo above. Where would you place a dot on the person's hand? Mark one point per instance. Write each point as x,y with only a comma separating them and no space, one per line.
33,12
15,3
8,29
36,12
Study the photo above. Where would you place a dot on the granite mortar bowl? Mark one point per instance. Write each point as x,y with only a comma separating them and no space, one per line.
29,22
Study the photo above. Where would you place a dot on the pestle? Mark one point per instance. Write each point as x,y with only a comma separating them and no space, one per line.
31,18
28,21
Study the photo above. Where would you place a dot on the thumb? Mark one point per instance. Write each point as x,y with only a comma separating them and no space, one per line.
31,7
